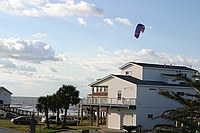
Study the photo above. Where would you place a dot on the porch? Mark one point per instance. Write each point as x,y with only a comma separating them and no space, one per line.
97,107
109,101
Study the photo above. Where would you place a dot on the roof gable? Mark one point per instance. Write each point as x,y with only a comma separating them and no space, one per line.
98,81
3,88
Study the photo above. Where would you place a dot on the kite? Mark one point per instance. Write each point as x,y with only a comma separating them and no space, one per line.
139,28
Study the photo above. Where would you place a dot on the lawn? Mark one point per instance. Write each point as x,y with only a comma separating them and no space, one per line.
41,127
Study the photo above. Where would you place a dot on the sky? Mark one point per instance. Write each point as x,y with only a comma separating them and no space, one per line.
47,43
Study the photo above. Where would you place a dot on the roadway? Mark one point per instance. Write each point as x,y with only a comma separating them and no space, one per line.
5,130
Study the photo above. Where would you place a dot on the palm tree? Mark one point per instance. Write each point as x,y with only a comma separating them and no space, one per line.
69,96
188,113
57,105
43,105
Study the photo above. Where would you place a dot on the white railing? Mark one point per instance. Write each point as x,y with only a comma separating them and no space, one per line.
109,101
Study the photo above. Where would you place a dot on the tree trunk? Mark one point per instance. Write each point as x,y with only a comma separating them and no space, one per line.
47,118
58,118
65,116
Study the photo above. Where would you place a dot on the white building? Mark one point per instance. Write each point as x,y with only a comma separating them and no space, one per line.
131,98
5,96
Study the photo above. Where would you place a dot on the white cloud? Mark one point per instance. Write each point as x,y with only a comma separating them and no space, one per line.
109,21
28,50
27,68
52,69
9,65
45,8
32,12
71,9
109,61
21,3
81,21
123,21
78,71
39,34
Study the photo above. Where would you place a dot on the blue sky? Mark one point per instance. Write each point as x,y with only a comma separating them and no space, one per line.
47,43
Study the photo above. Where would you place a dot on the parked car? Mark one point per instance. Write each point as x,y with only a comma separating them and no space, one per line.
22,120
52,119
69,120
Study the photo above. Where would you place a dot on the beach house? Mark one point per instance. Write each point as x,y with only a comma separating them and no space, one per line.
5,96
131,97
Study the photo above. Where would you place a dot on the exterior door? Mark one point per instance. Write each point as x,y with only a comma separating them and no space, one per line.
127,119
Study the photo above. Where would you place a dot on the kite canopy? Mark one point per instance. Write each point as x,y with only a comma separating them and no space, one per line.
139,28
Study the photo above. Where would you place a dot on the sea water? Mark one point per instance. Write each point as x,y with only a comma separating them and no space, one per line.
28,103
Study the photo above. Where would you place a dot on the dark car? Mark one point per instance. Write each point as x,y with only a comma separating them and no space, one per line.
52,119
70,120
22,120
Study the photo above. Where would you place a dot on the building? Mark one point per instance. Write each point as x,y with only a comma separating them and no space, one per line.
131,98
5,96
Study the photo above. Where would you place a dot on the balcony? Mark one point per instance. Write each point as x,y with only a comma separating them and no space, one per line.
124,102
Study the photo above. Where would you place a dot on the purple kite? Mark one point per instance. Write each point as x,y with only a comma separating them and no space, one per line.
139,28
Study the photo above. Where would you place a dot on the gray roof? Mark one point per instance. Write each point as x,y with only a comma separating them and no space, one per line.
159,66
145,82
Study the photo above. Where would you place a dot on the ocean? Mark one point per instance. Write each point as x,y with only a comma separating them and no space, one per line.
28,103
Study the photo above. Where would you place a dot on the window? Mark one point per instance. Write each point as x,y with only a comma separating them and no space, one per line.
180,93
106,89
153,89
150,116
128,72
119,94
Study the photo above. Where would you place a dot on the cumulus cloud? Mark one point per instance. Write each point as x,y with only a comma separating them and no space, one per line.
79,71
11,66
123,21
27,68
81,21
71,9
111,22
7,64
110,61
28,50
52,69
39,34
39,8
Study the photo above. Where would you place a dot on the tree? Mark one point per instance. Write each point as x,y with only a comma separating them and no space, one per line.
69,96
43,105
57,105
188,114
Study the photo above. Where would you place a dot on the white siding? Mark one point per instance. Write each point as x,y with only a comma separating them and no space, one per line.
5,96
150,102
117,84
114,84
135,69
117,117
155,74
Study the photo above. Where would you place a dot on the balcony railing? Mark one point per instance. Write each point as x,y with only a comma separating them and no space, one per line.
109,101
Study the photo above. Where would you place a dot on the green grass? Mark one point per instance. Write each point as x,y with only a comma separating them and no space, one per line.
42,128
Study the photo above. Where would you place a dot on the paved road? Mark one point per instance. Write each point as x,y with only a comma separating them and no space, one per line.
80,132
5,130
